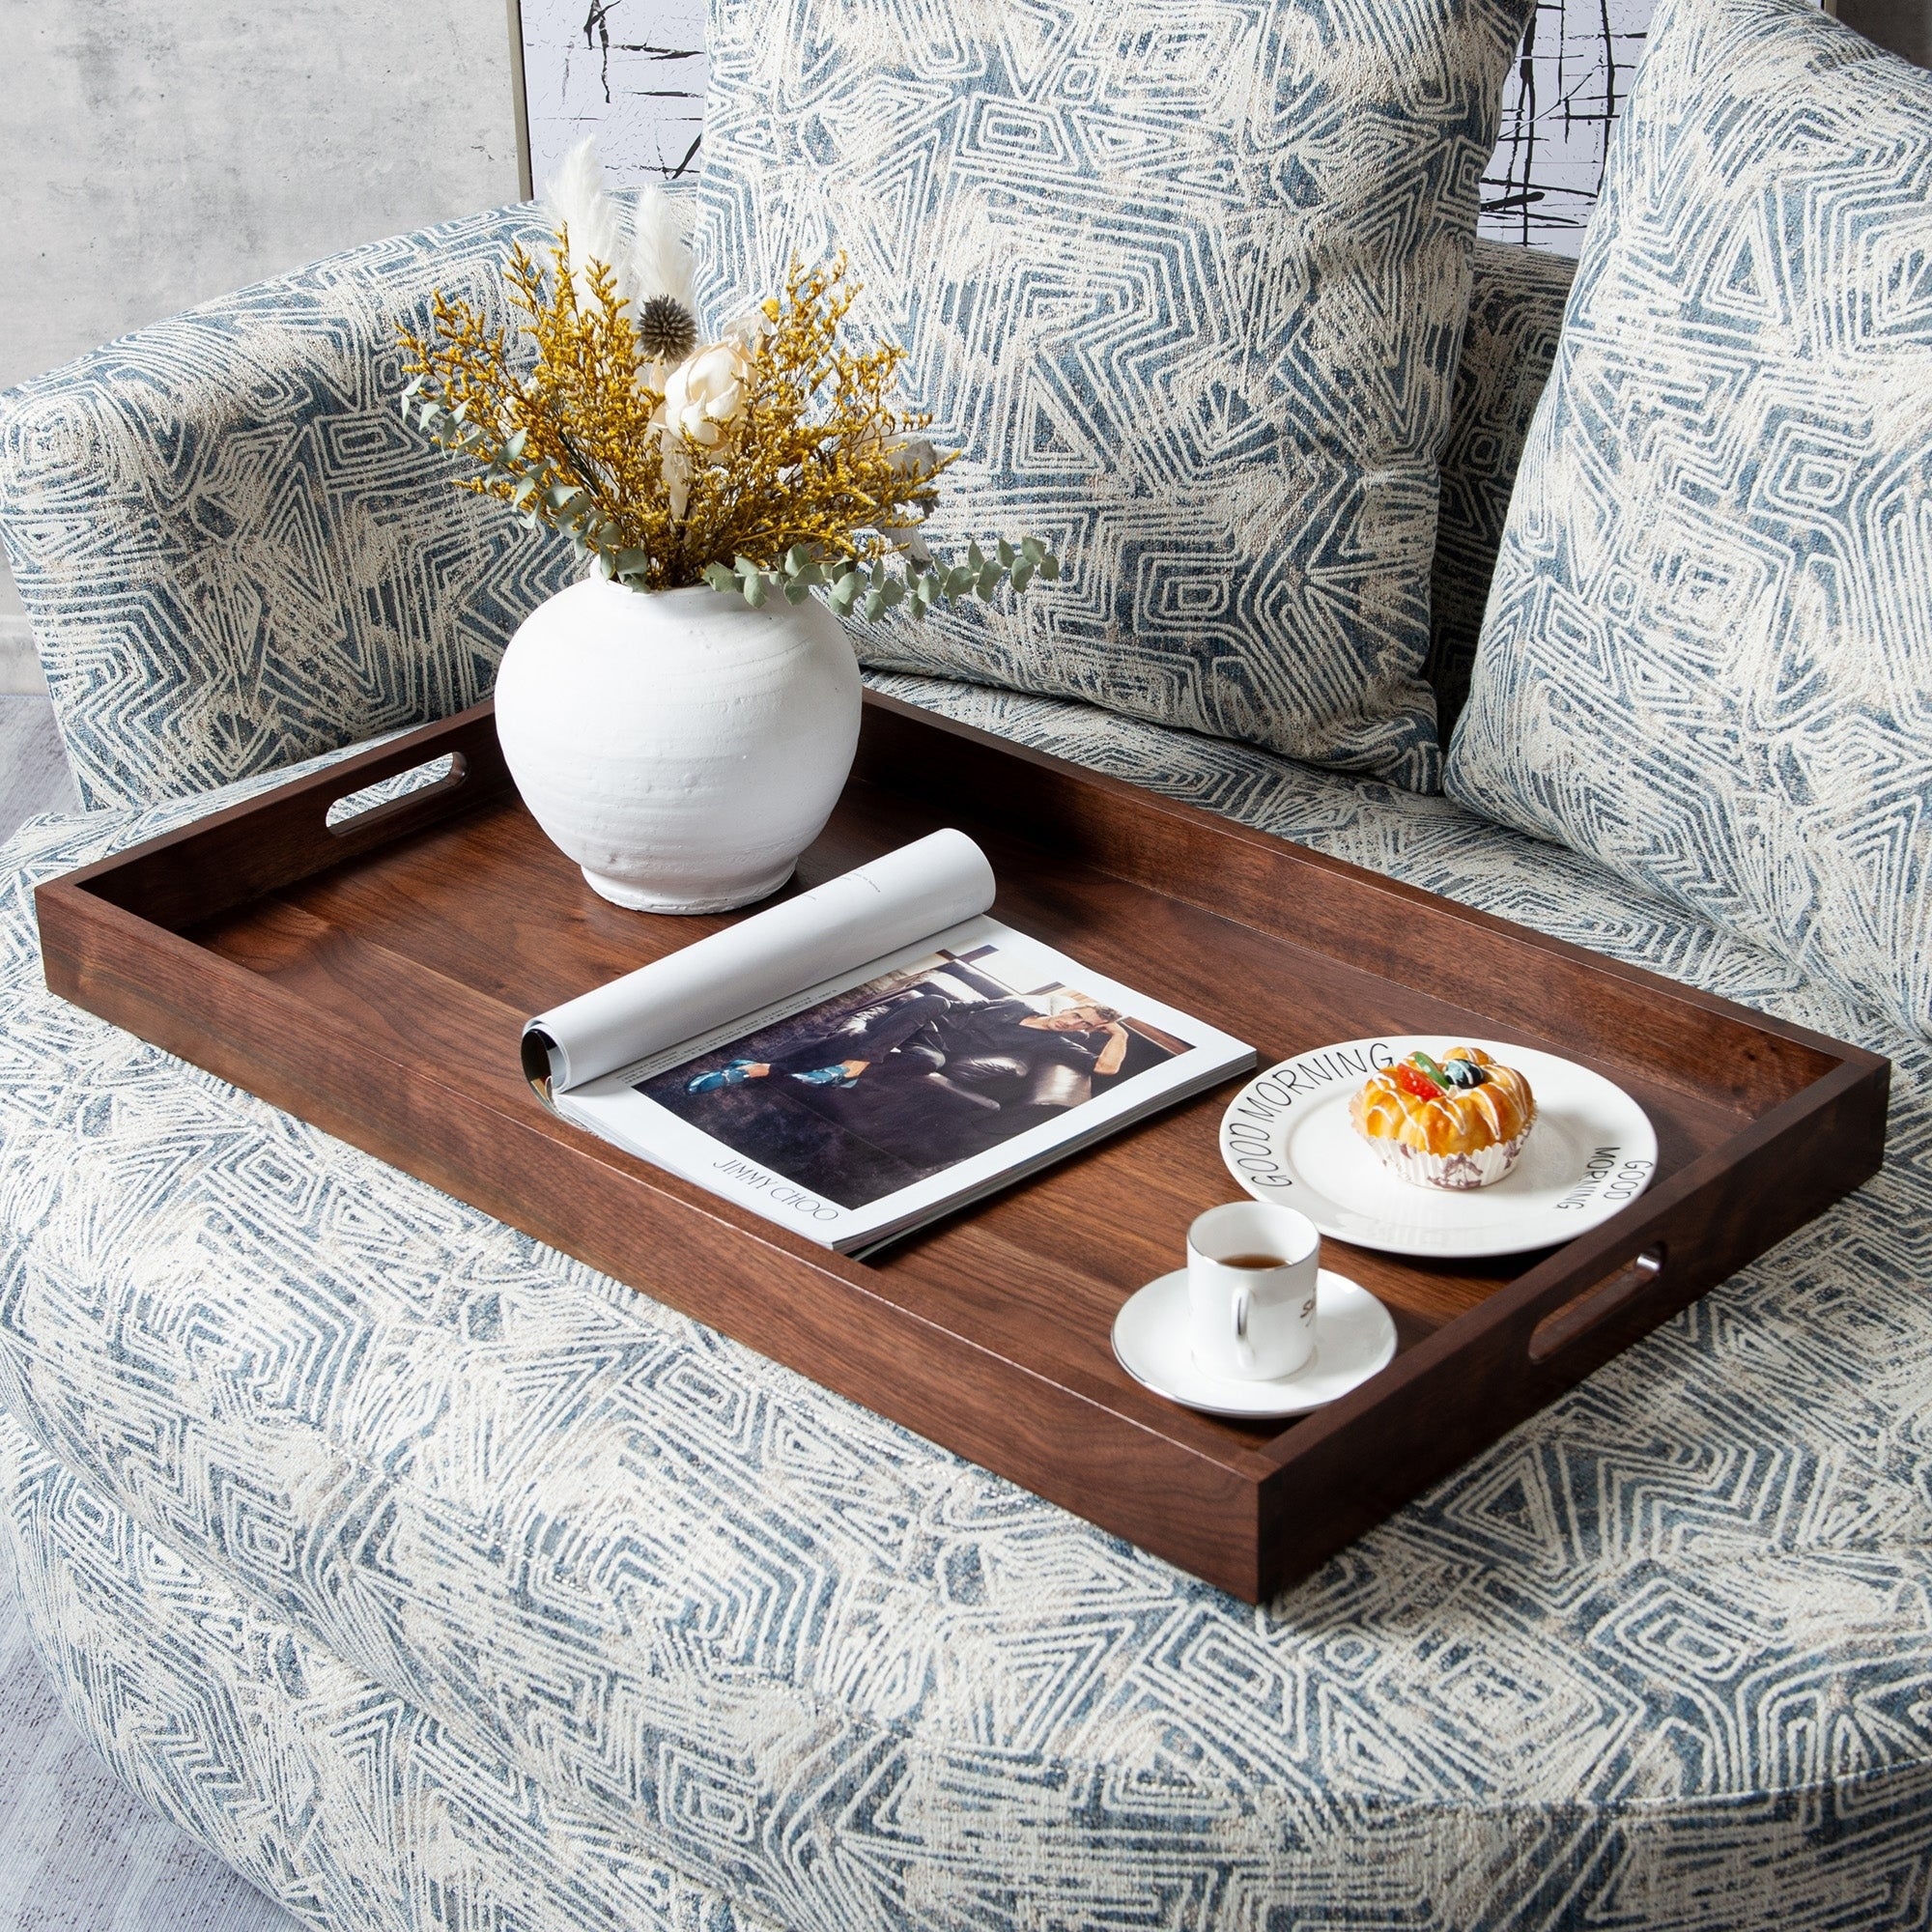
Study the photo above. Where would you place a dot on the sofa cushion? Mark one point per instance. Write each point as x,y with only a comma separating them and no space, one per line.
1187,289
1708,654
607,1555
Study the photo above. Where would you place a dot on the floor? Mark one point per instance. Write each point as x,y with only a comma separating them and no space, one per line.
77,1852
33,778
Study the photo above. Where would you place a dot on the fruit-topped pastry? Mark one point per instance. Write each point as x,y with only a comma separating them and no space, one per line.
1459,1122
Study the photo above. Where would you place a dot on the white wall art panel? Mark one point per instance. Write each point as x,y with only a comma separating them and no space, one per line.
1559,106
630,71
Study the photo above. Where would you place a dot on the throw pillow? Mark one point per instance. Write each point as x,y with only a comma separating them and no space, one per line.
1707,659
1186,283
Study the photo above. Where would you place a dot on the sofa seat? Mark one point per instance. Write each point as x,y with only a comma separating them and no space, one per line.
348,1518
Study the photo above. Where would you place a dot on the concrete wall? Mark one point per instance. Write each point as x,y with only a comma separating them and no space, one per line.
161,152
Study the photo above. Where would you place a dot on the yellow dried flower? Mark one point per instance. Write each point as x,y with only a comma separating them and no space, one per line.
585,432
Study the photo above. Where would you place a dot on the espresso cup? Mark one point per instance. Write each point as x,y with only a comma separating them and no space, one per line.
1251,1274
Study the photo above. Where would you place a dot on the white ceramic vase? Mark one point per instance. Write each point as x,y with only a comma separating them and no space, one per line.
683,748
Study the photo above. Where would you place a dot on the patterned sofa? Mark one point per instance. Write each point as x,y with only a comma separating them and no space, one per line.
434,1581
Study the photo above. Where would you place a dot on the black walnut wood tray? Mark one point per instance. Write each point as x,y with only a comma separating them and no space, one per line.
373,977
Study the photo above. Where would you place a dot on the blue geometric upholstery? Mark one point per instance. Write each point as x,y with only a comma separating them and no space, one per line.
1516,308
234,551
1719,557
345,1513
1187,289
349,1805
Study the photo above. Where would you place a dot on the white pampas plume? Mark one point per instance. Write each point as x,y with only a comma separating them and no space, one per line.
665,313
660,248
575,199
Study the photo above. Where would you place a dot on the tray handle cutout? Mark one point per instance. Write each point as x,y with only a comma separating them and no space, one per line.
356,809
1596,1303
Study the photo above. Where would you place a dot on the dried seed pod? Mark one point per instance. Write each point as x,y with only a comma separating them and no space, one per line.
666,330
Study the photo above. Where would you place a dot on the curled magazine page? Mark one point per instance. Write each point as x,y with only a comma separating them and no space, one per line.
863,915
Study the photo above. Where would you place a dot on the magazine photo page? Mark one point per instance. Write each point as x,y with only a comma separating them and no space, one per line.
863,1106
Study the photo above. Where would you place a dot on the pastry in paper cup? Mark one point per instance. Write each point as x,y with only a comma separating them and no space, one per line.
1457,1122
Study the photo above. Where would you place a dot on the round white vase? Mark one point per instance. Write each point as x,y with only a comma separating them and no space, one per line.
683,748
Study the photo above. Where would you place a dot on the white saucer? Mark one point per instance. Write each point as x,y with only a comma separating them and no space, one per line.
1353,1338
1287,1138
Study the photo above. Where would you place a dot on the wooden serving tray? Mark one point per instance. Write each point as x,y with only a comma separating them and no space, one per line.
373,978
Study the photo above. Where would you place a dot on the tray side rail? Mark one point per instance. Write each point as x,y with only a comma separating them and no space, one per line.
1412,938
259,846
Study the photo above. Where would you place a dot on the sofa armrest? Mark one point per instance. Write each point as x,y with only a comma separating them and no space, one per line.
235,551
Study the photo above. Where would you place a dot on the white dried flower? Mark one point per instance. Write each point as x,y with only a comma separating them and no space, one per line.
676,477
660,258
749,329
705,394
574,199
913,456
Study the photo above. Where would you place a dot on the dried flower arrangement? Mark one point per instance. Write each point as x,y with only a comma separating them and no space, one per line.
770,459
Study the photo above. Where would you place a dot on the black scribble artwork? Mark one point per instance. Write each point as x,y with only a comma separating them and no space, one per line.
630,71
1561,103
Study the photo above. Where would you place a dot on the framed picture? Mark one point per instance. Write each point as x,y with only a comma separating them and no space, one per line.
1560,102
630,71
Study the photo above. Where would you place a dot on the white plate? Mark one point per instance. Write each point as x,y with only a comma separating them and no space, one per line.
1287,1137
1353,1338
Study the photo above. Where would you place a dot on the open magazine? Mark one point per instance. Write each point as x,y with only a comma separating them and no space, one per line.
858,1060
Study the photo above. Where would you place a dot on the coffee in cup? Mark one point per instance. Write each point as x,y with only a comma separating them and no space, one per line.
1251,1289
